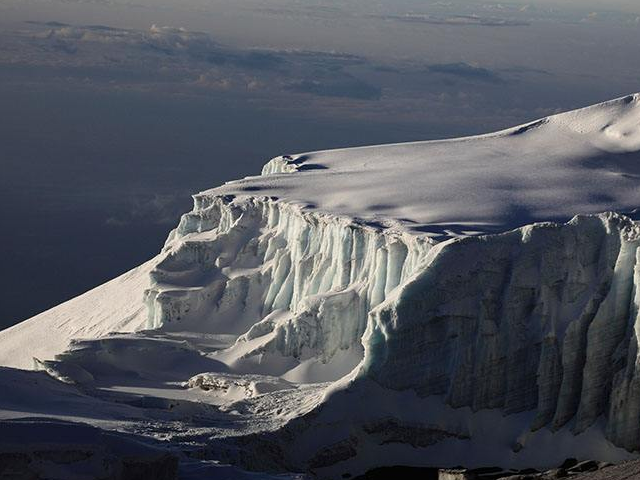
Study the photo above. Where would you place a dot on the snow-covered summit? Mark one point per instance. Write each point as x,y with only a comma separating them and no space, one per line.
580,162
340,311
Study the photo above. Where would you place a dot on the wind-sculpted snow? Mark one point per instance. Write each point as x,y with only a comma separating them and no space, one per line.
374,306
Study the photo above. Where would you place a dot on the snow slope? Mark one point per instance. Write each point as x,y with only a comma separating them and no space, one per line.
369,306
113,307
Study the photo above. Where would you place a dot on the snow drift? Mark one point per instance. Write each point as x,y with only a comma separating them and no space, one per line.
469,280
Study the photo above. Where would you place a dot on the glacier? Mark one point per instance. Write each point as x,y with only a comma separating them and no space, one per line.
290,284
469,301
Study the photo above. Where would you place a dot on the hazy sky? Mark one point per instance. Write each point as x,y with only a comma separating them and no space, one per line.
114,111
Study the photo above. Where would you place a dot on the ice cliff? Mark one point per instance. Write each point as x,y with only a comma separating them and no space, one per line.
492,275
292,284
543,318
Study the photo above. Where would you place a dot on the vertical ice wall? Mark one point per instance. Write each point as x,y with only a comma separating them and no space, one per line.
624,406
543,318
303,282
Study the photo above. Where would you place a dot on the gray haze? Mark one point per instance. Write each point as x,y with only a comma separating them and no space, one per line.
114,112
